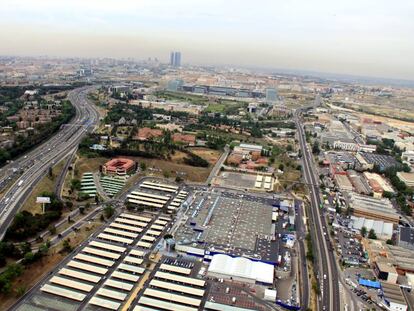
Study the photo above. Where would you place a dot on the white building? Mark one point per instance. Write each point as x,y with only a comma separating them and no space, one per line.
240,269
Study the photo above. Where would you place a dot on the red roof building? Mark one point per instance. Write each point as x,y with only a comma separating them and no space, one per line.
146,133
187,139
118,166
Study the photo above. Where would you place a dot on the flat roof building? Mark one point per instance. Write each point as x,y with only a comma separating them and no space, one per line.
382,229
373,208
393,297
406,237
343,182
240,268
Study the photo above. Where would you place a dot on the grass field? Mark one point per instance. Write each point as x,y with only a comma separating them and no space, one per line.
46,184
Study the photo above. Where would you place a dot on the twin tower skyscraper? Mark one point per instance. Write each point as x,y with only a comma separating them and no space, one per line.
175,59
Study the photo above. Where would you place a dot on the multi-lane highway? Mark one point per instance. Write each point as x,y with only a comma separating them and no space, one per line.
35,164
326,266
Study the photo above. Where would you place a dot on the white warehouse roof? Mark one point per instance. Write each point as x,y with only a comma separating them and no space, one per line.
383,229
241,267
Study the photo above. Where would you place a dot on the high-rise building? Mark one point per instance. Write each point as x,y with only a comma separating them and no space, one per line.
175,59
271,95
172,54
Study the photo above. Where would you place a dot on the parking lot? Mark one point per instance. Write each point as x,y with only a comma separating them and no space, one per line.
235,180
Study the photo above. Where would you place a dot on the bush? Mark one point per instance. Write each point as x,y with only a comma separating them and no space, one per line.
195,160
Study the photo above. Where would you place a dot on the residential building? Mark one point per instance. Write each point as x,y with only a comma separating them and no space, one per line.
147,133
186,139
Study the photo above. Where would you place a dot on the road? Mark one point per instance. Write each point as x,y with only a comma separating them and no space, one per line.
326,266
218,165
35,164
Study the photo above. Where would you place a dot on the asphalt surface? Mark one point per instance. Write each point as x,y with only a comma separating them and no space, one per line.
35,164
326,266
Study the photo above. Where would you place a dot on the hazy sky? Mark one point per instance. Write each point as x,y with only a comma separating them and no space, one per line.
362,37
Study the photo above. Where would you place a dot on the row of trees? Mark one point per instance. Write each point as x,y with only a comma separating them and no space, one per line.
26,225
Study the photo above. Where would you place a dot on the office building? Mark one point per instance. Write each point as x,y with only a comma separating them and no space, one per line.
271,95
175,59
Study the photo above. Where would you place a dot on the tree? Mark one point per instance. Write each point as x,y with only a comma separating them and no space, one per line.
20,290
315,148
25,247
143,166
281,167
75,184
390,242
168,236
50,172
372,235
66,246
364,231
52,229
109,211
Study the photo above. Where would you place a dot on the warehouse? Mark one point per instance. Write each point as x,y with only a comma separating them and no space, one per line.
393,297
241,269
373,208
343,182
382,229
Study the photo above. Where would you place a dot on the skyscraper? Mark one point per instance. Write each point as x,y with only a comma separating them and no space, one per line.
271,95
175,59
172,54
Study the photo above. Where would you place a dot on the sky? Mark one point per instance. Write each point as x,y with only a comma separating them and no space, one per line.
358,37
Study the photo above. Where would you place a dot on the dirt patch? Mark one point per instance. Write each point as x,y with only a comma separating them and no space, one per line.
33,273
190,173
210,155
83,165
30,276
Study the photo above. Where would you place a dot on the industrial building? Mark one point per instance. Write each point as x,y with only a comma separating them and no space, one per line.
343,182
401,258
393,297
406,237
383,230
373,208
240,269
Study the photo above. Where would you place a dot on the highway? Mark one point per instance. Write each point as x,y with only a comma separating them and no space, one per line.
326,267
36,163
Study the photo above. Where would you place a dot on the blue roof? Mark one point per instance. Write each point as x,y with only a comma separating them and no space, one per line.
369,283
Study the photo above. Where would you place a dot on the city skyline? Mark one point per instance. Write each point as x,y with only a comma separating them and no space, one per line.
367,39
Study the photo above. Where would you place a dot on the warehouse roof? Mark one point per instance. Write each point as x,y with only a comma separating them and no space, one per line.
242,267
